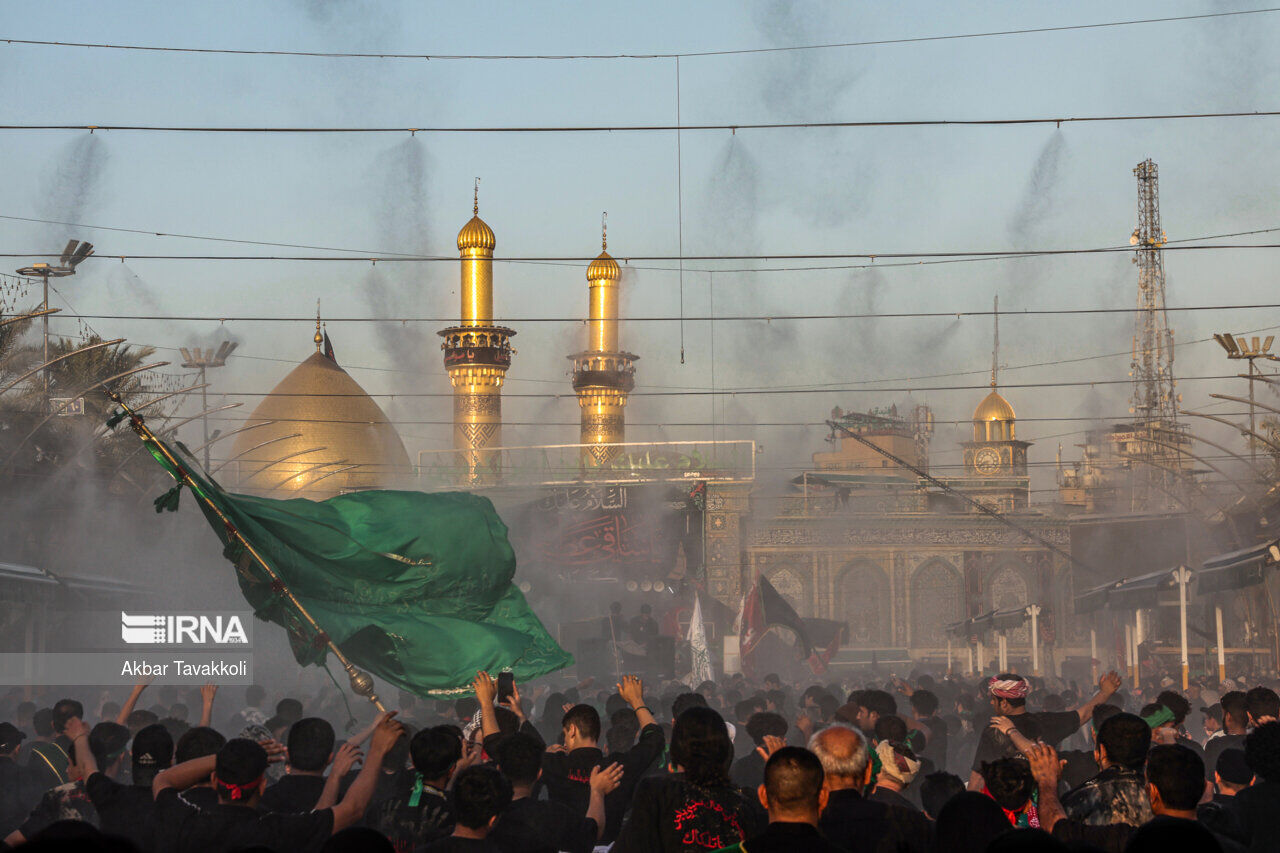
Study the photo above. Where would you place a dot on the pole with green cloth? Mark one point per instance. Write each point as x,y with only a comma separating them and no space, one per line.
361,682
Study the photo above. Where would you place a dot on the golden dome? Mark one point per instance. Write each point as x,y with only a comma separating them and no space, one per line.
476,235
320,435
993,408
603,267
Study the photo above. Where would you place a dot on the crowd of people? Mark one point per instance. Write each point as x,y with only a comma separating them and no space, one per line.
929,763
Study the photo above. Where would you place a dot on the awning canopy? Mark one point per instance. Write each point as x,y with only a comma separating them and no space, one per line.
1236,569
15,572
993,620
1094,599
1127,593
18,573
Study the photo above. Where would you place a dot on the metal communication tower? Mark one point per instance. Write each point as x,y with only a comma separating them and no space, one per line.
1159,458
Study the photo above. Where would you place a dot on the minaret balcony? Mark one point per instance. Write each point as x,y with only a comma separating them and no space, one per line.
479,345
614,370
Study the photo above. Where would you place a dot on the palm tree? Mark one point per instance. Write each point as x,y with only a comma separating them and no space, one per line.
38,438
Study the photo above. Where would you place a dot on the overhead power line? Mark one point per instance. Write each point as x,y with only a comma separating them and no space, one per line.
648,128
569,398
647,55
758,392
745,318
365,254
580,259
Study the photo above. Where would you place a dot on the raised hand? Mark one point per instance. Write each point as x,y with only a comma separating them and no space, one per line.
1002,724
772,743
1045,766
631,689
1110,683
386,734
276,751
347,756
606,779
75,728
485,688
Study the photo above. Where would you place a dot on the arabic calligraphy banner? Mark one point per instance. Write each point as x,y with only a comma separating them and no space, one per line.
611,532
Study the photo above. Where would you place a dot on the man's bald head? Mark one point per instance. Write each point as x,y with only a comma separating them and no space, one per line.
844,755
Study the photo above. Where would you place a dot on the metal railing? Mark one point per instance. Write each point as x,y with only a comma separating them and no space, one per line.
567,464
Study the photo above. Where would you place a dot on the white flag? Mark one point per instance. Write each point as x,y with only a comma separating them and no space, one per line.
699,654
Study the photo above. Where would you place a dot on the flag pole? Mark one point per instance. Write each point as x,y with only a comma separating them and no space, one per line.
361,682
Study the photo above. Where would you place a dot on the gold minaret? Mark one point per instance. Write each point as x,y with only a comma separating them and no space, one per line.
603,374
477,355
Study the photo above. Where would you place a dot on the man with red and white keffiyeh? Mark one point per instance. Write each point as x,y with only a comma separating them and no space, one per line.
1008,694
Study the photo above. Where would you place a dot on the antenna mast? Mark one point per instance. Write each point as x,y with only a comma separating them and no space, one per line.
1154,404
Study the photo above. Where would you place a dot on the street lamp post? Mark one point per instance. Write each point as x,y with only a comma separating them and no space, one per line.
1240,347
1182,577
1222,652
72,255
196,358
1033,610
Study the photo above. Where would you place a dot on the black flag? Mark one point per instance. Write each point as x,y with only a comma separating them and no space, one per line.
328,348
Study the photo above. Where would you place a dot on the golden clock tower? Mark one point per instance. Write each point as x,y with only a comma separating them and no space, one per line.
995,450
995,455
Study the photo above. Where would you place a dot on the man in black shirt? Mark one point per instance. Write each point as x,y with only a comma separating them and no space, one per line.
1259,804
924,708
197,743
421,811
1221,814
748,772
1008,693
49,758
1235,725
104,747
239,778
1118,793
480,795
1174,786
794,796
310,745
126,810
529,825
644,627
851,821
14,787
566,770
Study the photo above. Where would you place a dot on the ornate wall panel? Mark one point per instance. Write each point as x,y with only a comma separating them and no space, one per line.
862,602
937,599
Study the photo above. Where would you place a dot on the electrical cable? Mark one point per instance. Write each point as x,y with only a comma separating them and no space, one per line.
583,259
752,392
413,130
648,55
366,253
745,318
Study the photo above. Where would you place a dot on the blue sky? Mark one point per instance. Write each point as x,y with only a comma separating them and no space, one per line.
756,192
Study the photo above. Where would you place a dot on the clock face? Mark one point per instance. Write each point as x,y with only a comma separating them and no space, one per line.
987,460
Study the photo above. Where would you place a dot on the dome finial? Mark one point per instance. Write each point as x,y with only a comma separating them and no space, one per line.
319,338
995,350
475,199
604,231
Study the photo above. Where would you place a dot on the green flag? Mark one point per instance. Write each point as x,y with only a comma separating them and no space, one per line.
414,587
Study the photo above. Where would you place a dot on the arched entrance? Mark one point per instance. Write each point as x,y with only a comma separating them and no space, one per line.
862,602
937,599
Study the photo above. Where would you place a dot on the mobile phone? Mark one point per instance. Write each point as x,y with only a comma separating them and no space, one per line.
506,686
